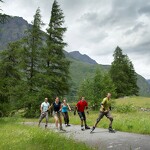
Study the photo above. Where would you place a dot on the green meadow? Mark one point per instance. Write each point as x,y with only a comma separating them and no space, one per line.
127,113
15,136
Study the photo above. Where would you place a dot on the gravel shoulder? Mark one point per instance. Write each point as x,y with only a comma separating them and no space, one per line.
101,139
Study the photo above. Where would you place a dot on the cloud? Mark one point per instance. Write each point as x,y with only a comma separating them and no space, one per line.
96,27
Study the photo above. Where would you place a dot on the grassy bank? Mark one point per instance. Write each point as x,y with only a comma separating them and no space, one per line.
15,136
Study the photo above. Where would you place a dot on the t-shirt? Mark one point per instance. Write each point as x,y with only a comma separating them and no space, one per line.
45,106
56,106
81,105
106,104
64,108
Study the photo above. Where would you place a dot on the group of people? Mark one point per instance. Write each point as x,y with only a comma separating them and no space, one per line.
61,109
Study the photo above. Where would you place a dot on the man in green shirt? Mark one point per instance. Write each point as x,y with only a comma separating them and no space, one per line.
105,111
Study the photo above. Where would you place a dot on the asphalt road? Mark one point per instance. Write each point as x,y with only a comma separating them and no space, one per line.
101,139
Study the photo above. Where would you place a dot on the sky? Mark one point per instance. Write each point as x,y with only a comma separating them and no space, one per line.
97,27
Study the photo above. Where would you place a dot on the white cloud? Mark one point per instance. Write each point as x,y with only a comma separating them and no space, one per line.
97,27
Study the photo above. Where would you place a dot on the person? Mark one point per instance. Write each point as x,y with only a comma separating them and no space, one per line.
80,107
105,111
65,107
57,113
45,106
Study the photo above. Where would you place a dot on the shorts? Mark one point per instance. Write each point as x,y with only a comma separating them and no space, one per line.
56,114
82,115
102,114
44,115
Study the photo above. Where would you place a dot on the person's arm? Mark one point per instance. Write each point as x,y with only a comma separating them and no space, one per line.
69,107
41,108
86,107
60,108
51,106
102,105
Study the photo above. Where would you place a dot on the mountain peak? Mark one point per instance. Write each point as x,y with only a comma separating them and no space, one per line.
82,57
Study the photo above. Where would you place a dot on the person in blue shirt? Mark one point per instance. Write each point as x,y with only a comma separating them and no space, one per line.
45,106
64,109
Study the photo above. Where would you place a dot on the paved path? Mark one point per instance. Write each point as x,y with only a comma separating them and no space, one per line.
103,140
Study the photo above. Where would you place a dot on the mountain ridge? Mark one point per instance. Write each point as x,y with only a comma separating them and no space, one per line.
82,57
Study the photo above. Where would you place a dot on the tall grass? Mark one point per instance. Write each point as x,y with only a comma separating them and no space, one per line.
136,122
15,136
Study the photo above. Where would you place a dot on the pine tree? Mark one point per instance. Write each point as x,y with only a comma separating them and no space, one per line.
9,76
31,52
123,74
56,64
30,61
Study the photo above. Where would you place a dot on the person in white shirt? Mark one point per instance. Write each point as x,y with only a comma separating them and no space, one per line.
45,106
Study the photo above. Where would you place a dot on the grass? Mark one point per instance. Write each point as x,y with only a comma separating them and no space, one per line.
136,101
14,136
127,116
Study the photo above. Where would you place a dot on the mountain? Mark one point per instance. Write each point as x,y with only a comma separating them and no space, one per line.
82,66
84,58
13,29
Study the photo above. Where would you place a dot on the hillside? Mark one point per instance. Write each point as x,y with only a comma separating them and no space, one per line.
82,66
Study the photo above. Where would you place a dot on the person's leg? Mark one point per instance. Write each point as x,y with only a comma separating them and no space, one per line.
64,116
56,121
101,115
46,119
81,117
60,122
41,118
84,119
108,115
67,116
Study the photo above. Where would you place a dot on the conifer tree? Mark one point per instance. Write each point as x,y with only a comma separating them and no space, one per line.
9,76
56,64
31,52
123,74
30,61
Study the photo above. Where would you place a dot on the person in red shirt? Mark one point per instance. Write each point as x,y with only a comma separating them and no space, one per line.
80,107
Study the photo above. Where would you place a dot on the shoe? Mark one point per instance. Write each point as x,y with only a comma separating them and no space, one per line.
82,128
111,130
87,127
68,125
61,129
93,128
